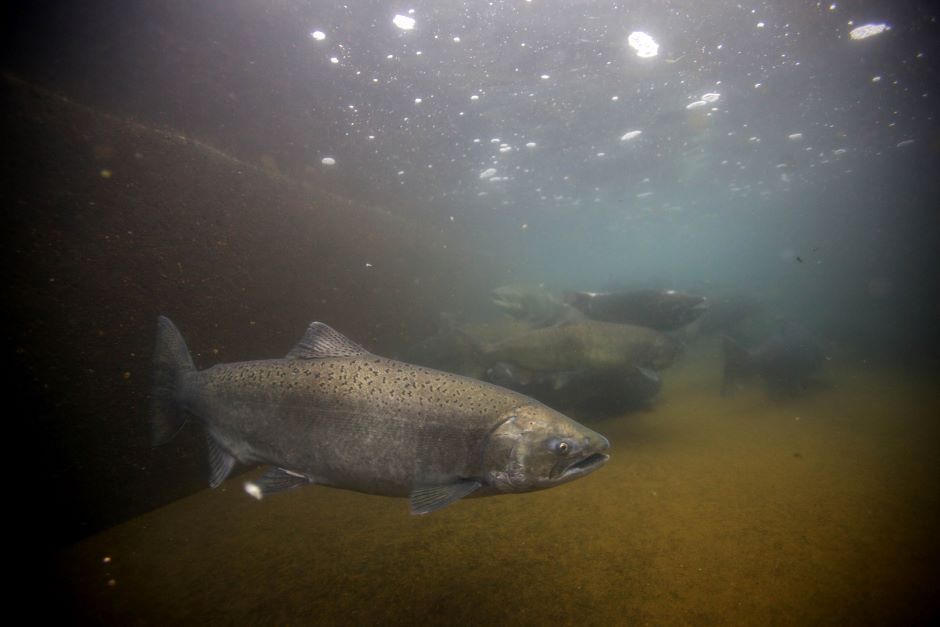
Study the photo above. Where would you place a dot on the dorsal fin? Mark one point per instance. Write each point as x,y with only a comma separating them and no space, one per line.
322,341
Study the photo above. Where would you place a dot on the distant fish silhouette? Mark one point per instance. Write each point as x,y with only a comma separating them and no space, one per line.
785,361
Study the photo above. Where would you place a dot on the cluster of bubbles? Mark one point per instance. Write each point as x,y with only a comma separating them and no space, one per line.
497,165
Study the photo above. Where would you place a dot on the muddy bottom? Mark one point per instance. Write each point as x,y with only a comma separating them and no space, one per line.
740,510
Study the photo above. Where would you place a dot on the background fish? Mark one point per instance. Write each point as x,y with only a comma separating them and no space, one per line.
663,310
534,303
453,350
585,346
785,361
725,314
579,393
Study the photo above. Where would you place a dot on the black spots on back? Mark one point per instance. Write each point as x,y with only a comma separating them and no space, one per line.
371,383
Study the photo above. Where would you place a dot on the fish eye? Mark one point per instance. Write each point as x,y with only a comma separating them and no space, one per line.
563,447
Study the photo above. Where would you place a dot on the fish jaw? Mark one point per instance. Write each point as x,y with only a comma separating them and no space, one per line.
582,467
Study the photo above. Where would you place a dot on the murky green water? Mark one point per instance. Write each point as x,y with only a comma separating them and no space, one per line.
712,510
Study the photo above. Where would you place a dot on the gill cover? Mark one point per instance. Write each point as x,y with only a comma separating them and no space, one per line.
518,457
503,457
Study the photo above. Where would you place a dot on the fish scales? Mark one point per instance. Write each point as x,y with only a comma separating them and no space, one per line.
371,408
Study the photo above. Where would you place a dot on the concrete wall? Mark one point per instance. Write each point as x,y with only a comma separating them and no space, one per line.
109,224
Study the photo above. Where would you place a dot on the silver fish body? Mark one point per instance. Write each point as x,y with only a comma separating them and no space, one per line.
334,414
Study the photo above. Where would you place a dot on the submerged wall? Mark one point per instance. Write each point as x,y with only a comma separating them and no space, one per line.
111,223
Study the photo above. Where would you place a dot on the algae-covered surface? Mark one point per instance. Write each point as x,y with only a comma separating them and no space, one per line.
821,509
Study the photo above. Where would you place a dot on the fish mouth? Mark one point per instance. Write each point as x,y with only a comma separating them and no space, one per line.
586,465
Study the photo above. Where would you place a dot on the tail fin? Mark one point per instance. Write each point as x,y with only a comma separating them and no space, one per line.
738,365
171,364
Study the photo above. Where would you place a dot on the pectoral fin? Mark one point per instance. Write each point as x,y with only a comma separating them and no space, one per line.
427,499
273,481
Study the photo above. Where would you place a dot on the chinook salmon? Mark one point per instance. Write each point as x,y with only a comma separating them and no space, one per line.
663,310
587,347
533,303
786,361
331,413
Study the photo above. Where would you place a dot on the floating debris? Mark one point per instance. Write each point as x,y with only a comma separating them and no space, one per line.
630,135
644,45
404,22
868,30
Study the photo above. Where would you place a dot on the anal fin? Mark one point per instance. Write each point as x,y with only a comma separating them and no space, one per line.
427,499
